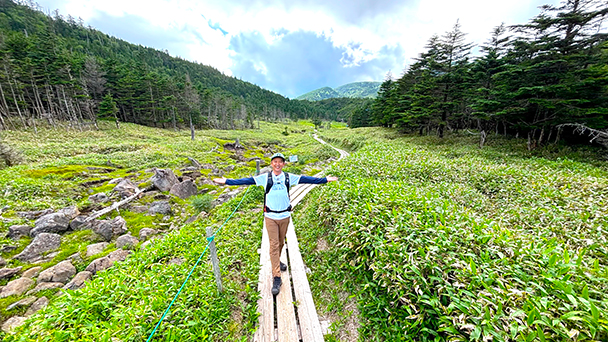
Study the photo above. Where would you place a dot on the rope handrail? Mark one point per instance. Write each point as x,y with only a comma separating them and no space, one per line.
209,240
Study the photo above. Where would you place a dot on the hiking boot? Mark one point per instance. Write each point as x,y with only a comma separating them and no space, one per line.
276,286
283,267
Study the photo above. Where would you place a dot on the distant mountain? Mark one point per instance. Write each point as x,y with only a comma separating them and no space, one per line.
319,94
352,90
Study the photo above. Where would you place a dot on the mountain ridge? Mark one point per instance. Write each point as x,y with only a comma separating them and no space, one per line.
351,90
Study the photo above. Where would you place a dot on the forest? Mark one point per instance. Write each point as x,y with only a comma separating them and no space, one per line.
55,70
544,80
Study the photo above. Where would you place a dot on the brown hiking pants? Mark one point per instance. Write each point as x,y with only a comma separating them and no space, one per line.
277,230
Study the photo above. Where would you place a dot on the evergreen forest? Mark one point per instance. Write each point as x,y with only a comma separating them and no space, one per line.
543,80
56,70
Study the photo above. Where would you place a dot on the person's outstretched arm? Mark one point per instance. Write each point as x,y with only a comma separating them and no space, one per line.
240,181
315,180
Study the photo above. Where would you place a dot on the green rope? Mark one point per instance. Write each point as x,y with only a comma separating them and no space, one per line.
209,239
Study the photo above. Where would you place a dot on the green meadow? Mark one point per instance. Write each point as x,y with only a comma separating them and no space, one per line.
427,239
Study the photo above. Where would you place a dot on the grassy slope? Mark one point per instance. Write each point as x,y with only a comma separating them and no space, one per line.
439,240
126,301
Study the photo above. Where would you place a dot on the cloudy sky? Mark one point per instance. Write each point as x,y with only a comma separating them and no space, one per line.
293,47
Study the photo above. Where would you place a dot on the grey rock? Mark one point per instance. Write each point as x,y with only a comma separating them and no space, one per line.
78,223
184,189
160,207
7,273
71,212
51,223
145,244
16,287
140,209
126,241
60,273
12,323
164,180
43,242
115,181
75,258
229,168
32,215
44,286
146,233
107,261
118,255
7,248
27,301
32,272
2,262
96,248
125,188
78,281
39,304
99,198
18,231
110,228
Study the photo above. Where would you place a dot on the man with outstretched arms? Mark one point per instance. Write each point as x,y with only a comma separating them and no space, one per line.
277,209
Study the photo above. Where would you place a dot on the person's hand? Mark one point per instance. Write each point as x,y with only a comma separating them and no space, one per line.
331,179
220,180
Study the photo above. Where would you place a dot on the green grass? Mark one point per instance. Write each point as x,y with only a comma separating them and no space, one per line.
439,240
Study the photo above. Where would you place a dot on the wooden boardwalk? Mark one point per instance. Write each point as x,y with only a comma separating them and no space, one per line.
291,315
296,315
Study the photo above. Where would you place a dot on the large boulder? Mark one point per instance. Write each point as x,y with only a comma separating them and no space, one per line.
39,304
12,324
32,272
99,198
52,223
146,233
126,241
160,207
32,215
78,281
107,229
125,188
79,223
18,231
43,242
184,189
60,273
44,286
71,212
107,261
96,248
16,287
164,179
8,273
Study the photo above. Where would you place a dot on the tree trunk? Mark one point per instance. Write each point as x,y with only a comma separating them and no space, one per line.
191,128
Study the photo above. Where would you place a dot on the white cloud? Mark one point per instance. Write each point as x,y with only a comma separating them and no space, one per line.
360,28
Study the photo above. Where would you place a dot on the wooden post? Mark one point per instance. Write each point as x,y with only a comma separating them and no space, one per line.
257,167
214,261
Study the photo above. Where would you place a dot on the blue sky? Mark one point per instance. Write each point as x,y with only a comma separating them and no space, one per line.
293,47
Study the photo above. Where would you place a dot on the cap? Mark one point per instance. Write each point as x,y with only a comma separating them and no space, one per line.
277,155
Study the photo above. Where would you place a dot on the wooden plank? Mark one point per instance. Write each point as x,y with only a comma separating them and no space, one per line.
265,331
301,194
286,315
297,190
307,313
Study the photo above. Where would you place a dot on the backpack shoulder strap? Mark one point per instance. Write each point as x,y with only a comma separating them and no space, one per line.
269,183
287,183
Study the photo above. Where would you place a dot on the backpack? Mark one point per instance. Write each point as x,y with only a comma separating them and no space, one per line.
269,186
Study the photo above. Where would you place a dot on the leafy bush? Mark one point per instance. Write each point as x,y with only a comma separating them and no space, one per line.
202,203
